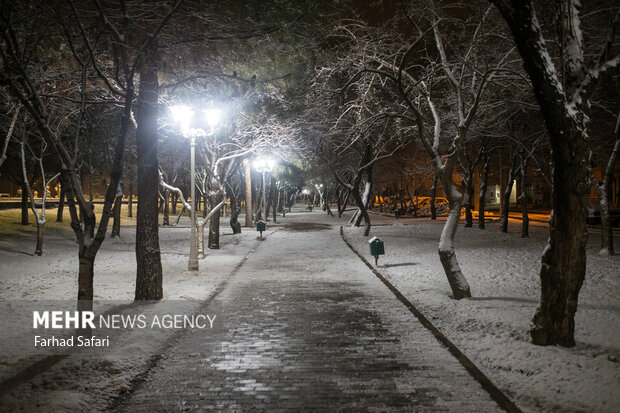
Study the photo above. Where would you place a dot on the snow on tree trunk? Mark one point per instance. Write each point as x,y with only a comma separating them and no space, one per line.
458,283
149,272
564,258
362,203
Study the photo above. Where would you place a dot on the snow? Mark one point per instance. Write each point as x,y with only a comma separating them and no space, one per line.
91,383
492,328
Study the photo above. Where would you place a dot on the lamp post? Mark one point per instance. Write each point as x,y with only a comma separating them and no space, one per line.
184,116
263,165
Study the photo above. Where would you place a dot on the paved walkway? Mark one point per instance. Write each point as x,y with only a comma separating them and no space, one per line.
310,328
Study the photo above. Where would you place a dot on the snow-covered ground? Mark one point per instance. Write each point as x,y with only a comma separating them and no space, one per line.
492,327
90,383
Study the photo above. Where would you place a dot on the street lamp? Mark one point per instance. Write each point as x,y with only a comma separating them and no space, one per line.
263,165
184,116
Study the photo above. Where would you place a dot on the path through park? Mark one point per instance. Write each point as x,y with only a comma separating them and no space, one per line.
307,326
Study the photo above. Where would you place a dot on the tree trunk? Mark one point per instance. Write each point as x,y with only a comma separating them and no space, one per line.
214,224
345,193
25,216
456,279
258,213
339,201
458,283
291,201
248,193
469,196
130,201
269,200
327,208
525,219
362,213
503,221
432,200
166,195
160,203
607,235
85,276
116,213
362,204
484,178
234,223
564,258
149,275
38,250
274,199
61,204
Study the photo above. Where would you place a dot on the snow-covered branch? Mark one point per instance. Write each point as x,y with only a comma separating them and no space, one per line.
175,190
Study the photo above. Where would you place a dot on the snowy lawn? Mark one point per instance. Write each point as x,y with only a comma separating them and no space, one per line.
90,383
492,328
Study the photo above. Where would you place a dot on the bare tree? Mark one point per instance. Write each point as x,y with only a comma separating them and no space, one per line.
9,134
461,88
607,237
563,95
39,216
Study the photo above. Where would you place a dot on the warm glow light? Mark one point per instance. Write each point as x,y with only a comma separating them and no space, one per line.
213,116
183,115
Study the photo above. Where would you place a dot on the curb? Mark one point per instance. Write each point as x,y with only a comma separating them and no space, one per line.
496,394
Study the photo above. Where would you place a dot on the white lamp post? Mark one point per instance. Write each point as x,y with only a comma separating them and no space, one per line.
263,165
184,116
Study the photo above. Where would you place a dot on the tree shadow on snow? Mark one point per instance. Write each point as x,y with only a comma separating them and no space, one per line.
8,249
604,307
400,264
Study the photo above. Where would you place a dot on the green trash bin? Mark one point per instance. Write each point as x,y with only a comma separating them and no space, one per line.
260,226
376,248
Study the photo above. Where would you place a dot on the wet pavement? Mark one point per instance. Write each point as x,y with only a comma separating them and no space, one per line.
308,327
